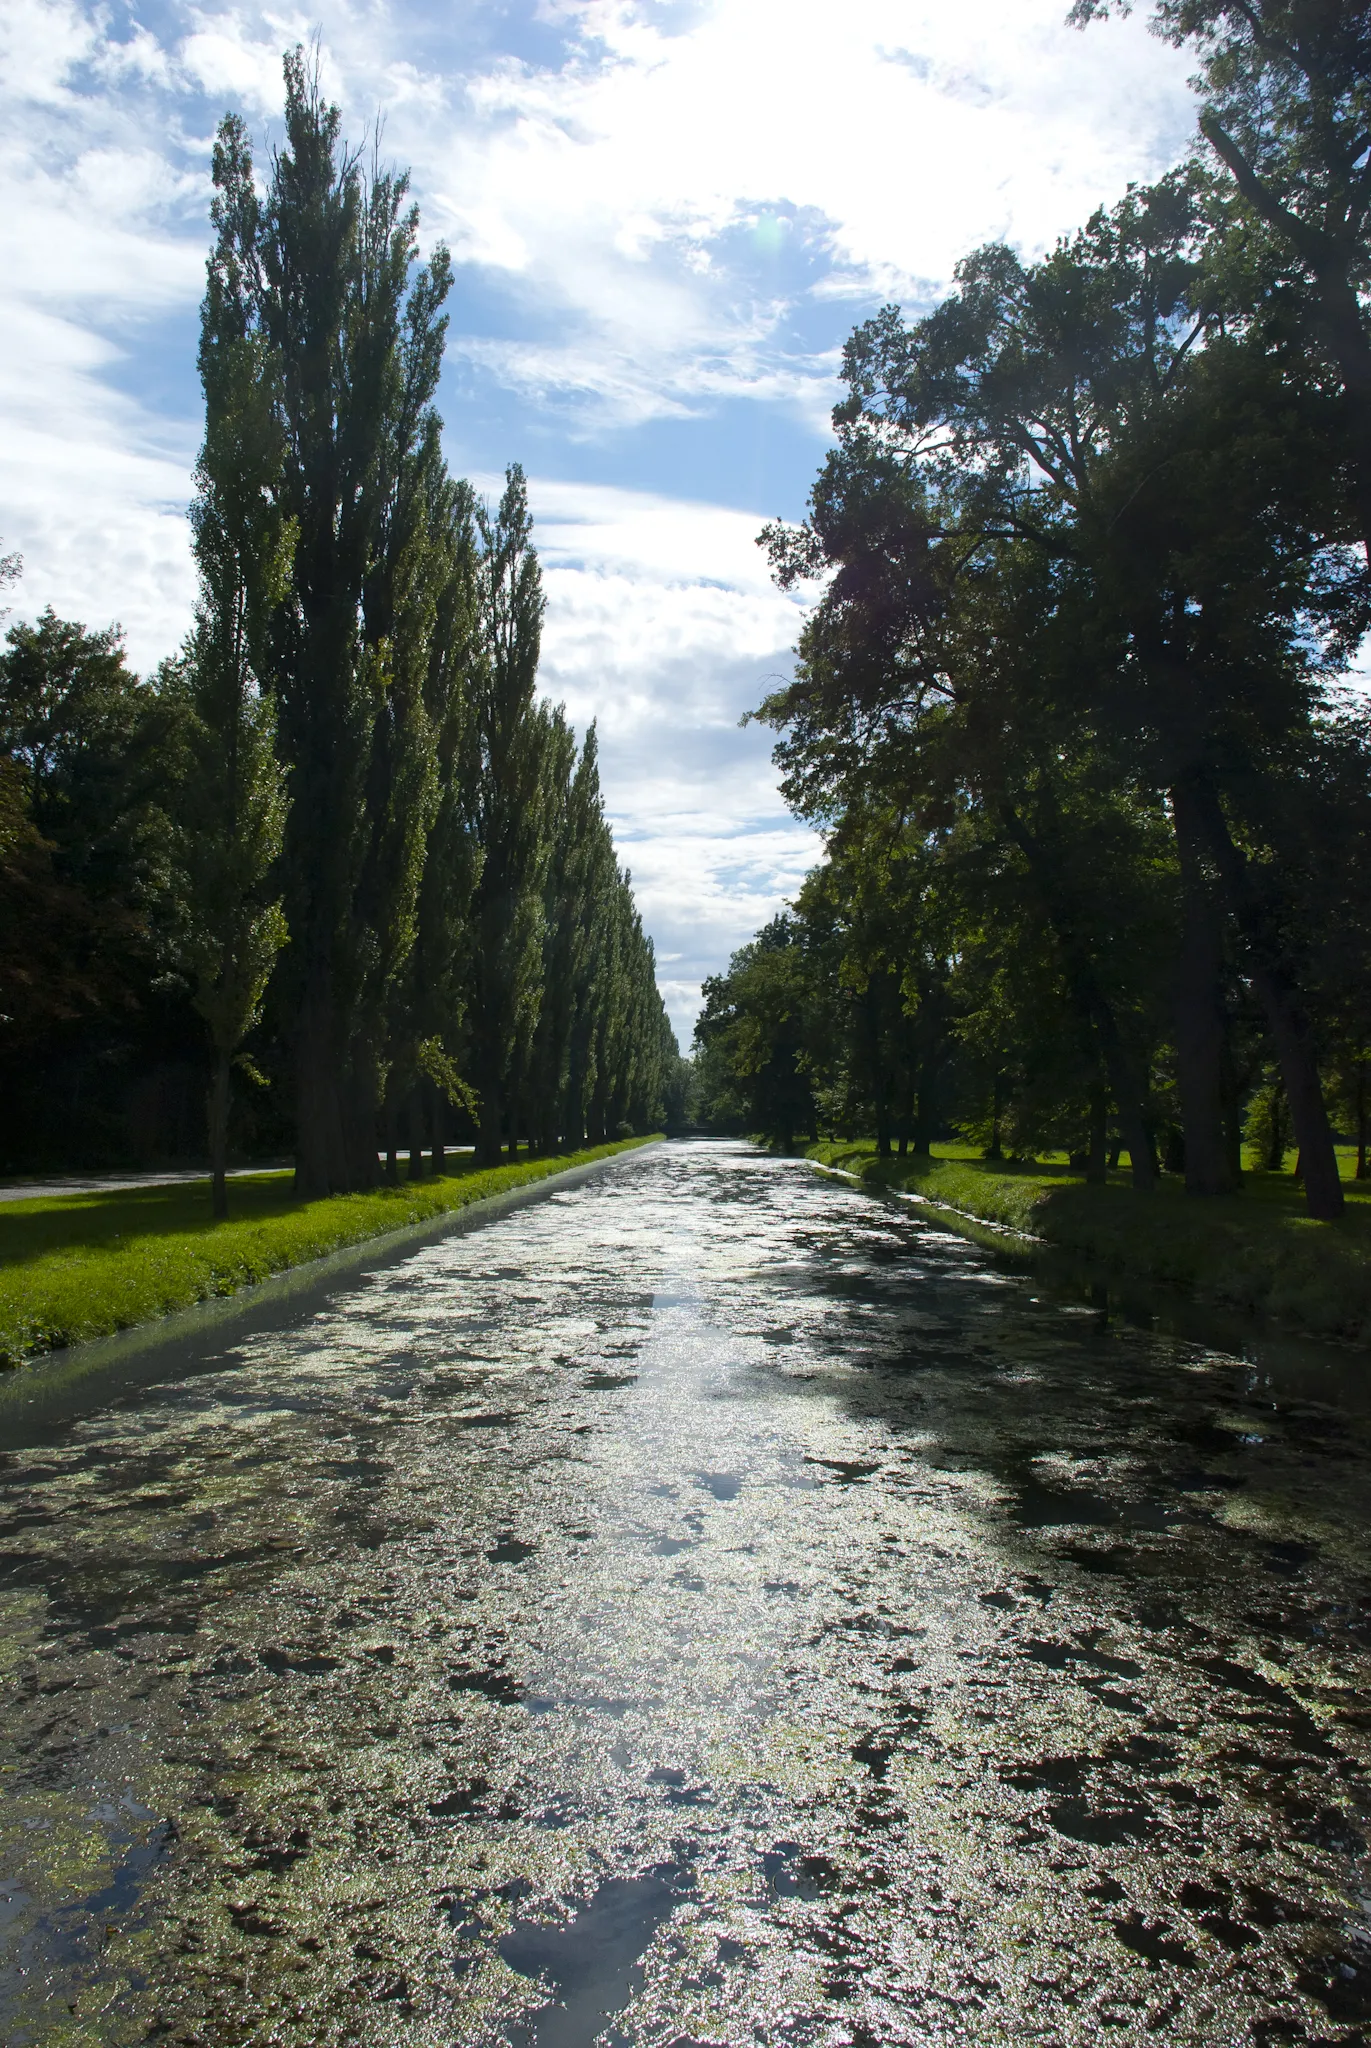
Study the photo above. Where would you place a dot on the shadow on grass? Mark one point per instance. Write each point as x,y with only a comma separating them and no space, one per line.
125,1216
122,1215
81,1265
1257,1252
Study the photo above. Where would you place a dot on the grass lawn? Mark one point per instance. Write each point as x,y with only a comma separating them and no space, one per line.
1256,1251
82,1265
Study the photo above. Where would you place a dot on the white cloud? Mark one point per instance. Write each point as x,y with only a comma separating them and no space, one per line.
658,202
102,213
891,140
664,627
638,530
93,488
41,41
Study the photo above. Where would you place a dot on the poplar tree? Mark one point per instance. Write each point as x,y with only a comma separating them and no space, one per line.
429,1012
564,911
231,800
405,617
592,960
510,805
328,257
351,747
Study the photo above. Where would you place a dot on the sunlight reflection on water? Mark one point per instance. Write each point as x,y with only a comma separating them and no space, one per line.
696,1609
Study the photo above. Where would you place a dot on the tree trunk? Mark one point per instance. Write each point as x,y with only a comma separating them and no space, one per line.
218,1135
880,1079
995,1150
1361,1119
1275,1137
595,1121
1127,1090
542,1139
488,1140
362,1113
320,1155
1201,1022
436,1108
1288,1026
1095,1170
414,1126
1232,1108
1304,1091
515,1101
573,1115
1126,1085
923,1115
392,1144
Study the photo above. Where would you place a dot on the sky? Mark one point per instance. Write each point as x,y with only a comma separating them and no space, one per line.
665,215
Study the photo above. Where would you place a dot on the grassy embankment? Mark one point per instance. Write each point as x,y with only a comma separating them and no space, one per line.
77,1266
1256,1252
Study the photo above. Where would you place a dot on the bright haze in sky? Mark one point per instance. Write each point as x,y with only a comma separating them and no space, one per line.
666,217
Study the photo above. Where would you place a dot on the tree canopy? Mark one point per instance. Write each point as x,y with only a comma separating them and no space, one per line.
1090,552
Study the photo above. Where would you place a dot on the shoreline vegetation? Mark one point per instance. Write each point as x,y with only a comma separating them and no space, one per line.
1257,1253
77,1266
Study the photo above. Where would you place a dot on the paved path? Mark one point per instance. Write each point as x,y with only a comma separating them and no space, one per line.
707,1607
110,1183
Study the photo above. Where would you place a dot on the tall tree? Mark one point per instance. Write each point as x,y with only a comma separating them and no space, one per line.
427,1021
231,798
510,800
1079,409
593,953
405,608
564,938
754,1023
937,682
327,257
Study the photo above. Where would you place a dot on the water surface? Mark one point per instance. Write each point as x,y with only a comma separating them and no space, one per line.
708,1606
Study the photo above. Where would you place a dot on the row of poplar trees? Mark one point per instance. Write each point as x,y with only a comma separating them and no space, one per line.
386,815
1094,541
378,830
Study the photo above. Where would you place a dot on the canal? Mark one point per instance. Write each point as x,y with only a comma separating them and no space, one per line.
707,1606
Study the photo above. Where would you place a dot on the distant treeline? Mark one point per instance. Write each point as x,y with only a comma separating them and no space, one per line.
336,858
1093,550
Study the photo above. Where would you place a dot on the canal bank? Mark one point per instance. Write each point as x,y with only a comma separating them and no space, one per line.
121,1264
704,1606
1254,1255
